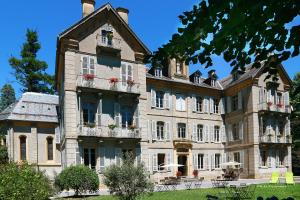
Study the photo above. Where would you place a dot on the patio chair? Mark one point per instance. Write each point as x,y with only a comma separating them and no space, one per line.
289,178
274,178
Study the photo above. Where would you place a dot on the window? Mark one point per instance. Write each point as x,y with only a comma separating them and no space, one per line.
126,74
160,130
161,161
281,158
180,102
127,116
213,83
181,130
50,148
179,68
89,112
216,106
235,131
199,101
279,100
197,79
217,134
200,132
160,99
236,157
200,161
217,160
89,158
23,150
88,65
235,102
264,158
158,72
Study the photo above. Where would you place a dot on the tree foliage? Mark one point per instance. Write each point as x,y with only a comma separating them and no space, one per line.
23,182
240,30
28,70
3,155
7,96
127,181
79,178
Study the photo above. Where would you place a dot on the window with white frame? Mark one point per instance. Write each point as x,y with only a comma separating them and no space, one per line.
235,102
89,113
217,133
235,131
160,130
197,79
180,102
264,158
213,83
89,158
127,116
181,128
88,65
199,132
217,160
281,158
161,157
216,106
158,72
199,102
237,157
160,99
179,68
126,74
200,161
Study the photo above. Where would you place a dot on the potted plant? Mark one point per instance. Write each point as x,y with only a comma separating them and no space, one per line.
90,124
113,80
269,103
112,126
178,174
130,82
195,173
132,127
279,105
89,77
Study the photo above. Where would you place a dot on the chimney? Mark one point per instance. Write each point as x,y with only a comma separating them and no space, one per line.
88,6
123,12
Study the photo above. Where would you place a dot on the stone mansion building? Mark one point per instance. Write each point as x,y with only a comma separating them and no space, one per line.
109,103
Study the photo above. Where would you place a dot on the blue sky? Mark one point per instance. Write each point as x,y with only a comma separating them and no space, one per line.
153,21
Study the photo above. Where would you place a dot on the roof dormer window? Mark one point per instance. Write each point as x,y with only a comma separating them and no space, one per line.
213,83
179,68
158,72
197,79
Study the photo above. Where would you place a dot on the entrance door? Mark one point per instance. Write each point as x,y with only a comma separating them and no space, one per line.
182,160
89,158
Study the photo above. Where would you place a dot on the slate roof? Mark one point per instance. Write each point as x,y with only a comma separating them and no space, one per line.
32,107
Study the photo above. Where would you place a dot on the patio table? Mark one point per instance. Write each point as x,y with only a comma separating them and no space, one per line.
237,192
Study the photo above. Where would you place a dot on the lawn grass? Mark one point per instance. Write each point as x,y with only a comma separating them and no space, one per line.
200,194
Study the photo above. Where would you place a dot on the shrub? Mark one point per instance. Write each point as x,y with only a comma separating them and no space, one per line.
3,155
79,178
127,181
23,182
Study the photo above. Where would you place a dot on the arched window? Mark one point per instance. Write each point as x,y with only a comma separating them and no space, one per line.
23,149
50,148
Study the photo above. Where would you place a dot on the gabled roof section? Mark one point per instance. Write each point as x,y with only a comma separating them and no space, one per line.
250,73
108,7
32,107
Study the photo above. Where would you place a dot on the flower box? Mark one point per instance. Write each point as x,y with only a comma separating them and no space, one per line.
89,77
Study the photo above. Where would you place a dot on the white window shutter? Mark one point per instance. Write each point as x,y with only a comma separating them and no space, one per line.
118,156
150,163
241,130
206,105
212,162
221,106
153,98
206,133
153,130
211,105
167,100
240,100
206,162
169,161
102,159
195,161
269,159
211,133
195,138
168,136
229,132
242,160
57,135
224,157
228,104
117,113
138,155
194,103
84,65
223,134
92,66
154,163
99,112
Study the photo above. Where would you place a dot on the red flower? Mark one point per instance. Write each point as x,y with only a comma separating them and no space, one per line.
88,76
113,80
280,105
179,173
269,103
195,173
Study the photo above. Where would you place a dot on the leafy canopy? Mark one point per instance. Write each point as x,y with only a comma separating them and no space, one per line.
127,181
28,70
7,96
242,31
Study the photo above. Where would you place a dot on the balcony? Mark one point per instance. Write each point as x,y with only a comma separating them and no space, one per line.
112,84
275,139
110,45
269,106
106,132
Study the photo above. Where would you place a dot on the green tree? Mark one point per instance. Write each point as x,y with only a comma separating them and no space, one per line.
7,96
29,71
79,178
127,181
23,182
242,31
